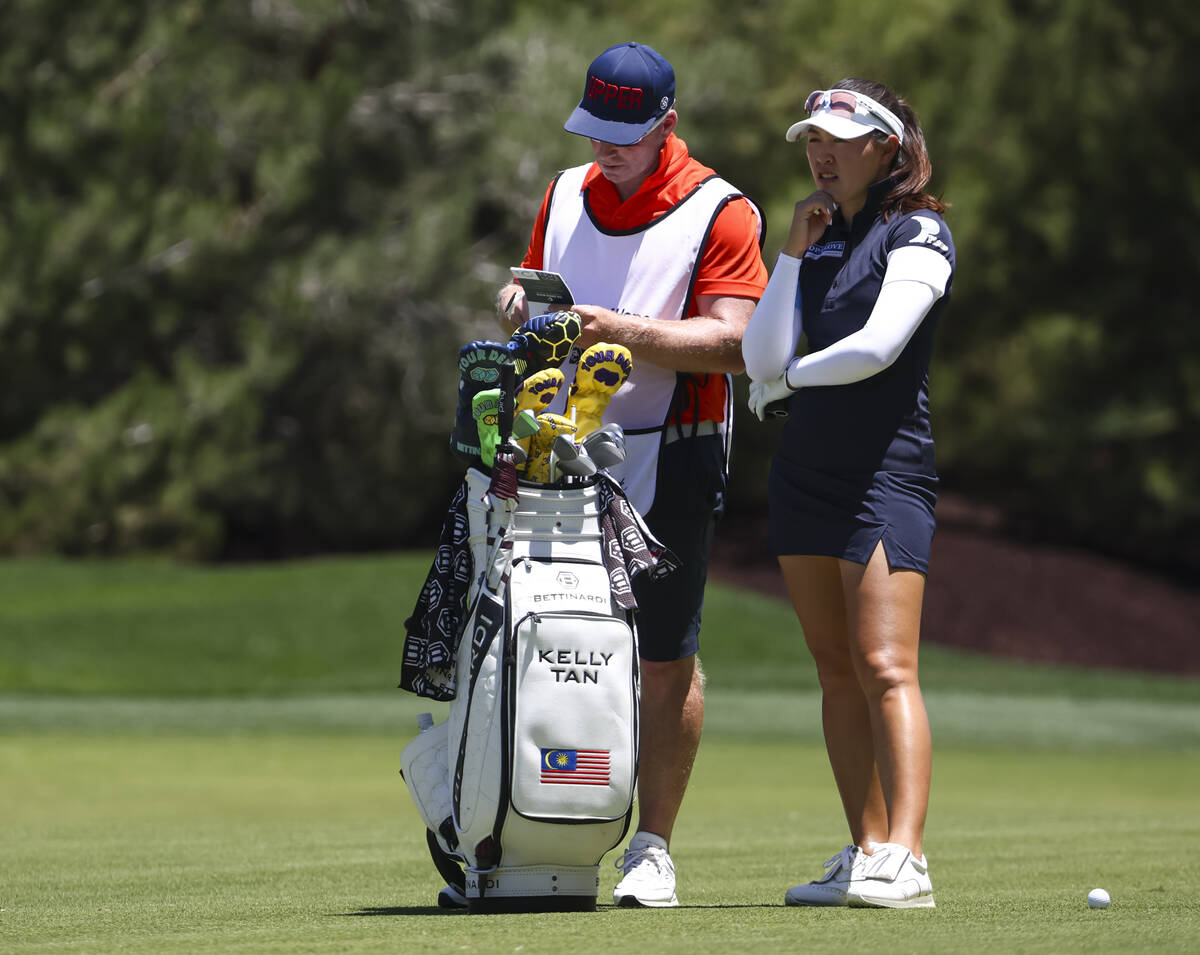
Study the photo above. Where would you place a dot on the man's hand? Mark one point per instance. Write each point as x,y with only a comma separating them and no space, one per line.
765,393
599,324
511,306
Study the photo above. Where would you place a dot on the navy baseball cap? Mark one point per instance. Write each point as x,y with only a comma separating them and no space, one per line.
630,87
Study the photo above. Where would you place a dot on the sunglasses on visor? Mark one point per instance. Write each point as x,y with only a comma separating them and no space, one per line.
850,104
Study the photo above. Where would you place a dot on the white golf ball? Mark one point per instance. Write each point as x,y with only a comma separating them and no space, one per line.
1098,899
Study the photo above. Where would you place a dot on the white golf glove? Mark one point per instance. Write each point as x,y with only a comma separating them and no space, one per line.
765,393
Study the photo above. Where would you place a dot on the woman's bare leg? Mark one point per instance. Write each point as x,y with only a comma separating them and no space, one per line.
883,621
816,590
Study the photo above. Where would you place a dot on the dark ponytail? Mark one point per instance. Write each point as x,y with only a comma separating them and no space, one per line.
911,168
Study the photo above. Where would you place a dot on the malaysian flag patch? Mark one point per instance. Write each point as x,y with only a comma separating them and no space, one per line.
576,767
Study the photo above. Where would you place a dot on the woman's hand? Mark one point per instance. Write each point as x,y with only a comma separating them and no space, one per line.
811,218
763,394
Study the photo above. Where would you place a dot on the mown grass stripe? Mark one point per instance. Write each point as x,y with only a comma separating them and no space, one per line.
958,719
335,626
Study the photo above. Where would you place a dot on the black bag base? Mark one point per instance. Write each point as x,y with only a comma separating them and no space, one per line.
532,903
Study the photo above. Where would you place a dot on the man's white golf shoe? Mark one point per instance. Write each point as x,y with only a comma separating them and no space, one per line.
891,878
831,888
647,874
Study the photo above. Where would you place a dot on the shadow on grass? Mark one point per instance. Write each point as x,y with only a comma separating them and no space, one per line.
747,905
400,910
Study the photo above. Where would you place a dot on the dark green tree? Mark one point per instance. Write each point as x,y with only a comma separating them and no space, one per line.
243,241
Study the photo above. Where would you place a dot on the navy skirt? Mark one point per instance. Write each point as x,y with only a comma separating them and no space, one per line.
846,515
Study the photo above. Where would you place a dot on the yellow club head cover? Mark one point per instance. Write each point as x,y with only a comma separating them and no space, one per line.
603,369
539,389
550,426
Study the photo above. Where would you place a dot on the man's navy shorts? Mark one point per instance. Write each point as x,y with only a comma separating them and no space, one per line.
688,501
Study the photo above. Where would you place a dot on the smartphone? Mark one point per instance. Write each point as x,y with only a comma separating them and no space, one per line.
544,291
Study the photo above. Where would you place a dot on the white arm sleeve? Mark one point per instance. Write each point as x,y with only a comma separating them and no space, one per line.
770,339
914,280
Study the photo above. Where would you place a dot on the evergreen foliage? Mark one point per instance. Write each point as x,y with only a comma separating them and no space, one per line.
243,241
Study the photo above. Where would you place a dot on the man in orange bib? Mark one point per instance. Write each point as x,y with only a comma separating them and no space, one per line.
666,256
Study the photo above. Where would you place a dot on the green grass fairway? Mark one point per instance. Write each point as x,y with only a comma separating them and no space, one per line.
205,760
296,843
152,628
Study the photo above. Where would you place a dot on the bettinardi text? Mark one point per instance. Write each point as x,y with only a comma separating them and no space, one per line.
589,598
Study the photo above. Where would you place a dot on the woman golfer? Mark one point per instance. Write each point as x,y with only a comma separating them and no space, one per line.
864,275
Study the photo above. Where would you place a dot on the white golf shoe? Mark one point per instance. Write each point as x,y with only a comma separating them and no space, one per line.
891,878
830,889
647,874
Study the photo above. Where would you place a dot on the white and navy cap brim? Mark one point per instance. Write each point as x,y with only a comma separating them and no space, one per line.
583,123
842,127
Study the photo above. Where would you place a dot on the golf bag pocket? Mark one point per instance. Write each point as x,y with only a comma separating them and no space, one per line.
543,587
574,734
424,764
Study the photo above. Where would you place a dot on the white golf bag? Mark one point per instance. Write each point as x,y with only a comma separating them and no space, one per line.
531,778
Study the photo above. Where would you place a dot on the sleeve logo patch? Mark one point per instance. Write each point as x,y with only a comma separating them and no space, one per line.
930,228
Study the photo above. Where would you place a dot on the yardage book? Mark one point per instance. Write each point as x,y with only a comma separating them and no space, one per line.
544,291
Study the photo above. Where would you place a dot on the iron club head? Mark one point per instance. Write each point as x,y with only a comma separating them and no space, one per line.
572,458
605,448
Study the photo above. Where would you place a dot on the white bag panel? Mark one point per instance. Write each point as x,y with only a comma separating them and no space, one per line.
575,730
565,511
550,548
477,713
557,524
533,842
541,587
